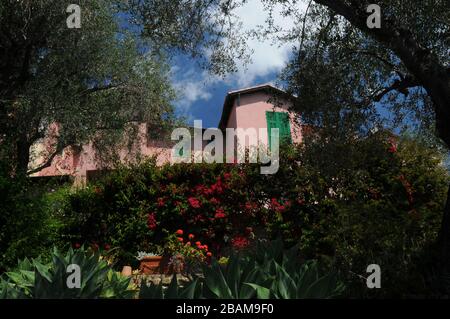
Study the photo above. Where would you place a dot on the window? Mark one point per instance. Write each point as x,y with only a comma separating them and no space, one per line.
279,120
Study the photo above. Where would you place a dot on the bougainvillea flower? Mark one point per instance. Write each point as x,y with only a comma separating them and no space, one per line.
179,232
161,202
194,202
151,221
220,215
214,201
240,242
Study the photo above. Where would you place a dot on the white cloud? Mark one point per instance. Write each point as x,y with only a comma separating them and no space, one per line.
266,59
190,87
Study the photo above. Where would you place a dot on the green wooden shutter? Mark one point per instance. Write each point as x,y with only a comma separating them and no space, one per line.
281,121
285,127
271,123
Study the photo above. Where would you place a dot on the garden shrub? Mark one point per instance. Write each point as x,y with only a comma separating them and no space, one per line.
28,226
381,205
139,207
373,200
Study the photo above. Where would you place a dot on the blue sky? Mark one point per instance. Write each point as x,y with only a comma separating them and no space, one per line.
201,95
201,98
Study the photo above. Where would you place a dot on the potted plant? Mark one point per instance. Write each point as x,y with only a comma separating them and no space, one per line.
186,254
150,263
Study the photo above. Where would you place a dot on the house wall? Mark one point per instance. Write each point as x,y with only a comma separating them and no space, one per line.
78,163
249,111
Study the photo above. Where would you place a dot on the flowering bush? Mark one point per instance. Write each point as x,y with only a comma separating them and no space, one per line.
374,203
191,252
136,208
214,202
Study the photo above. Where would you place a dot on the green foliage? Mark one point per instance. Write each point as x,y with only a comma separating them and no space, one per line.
93,81
375,199
269,272
34,279
28,226
138,207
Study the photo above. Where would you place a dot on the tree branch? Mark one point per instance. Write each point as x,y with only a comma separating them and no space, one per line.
48,162
420,62
398,85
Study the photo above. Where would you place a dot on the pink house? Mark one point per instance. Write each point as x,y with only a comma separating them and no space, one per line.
253,109
262,106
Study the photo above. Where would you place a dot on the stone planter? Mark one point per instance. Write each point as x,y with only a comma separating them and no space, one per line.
160,265
152,265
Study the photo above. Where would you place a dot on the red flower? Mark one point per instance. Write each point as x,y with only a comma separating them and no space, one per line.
151,221
191,236
209,254
218,186
188,243
161,202
250,205
180,239
227,176
220,214
239,242
277,206
194,202
207,191
199,188
107,247
214,201
392,149
197,243
179,232
205,247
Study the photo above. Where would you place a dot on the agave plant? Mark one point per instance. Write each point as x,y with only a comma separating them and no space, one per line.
33,279
269,272
285,277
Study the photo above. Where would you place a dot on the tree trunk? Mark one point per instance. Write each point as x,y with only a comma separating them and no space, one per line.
426,68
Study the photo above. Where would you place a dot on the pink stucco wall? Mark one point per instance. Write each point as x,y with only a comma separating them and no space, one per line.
248,111
79,162
251,113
